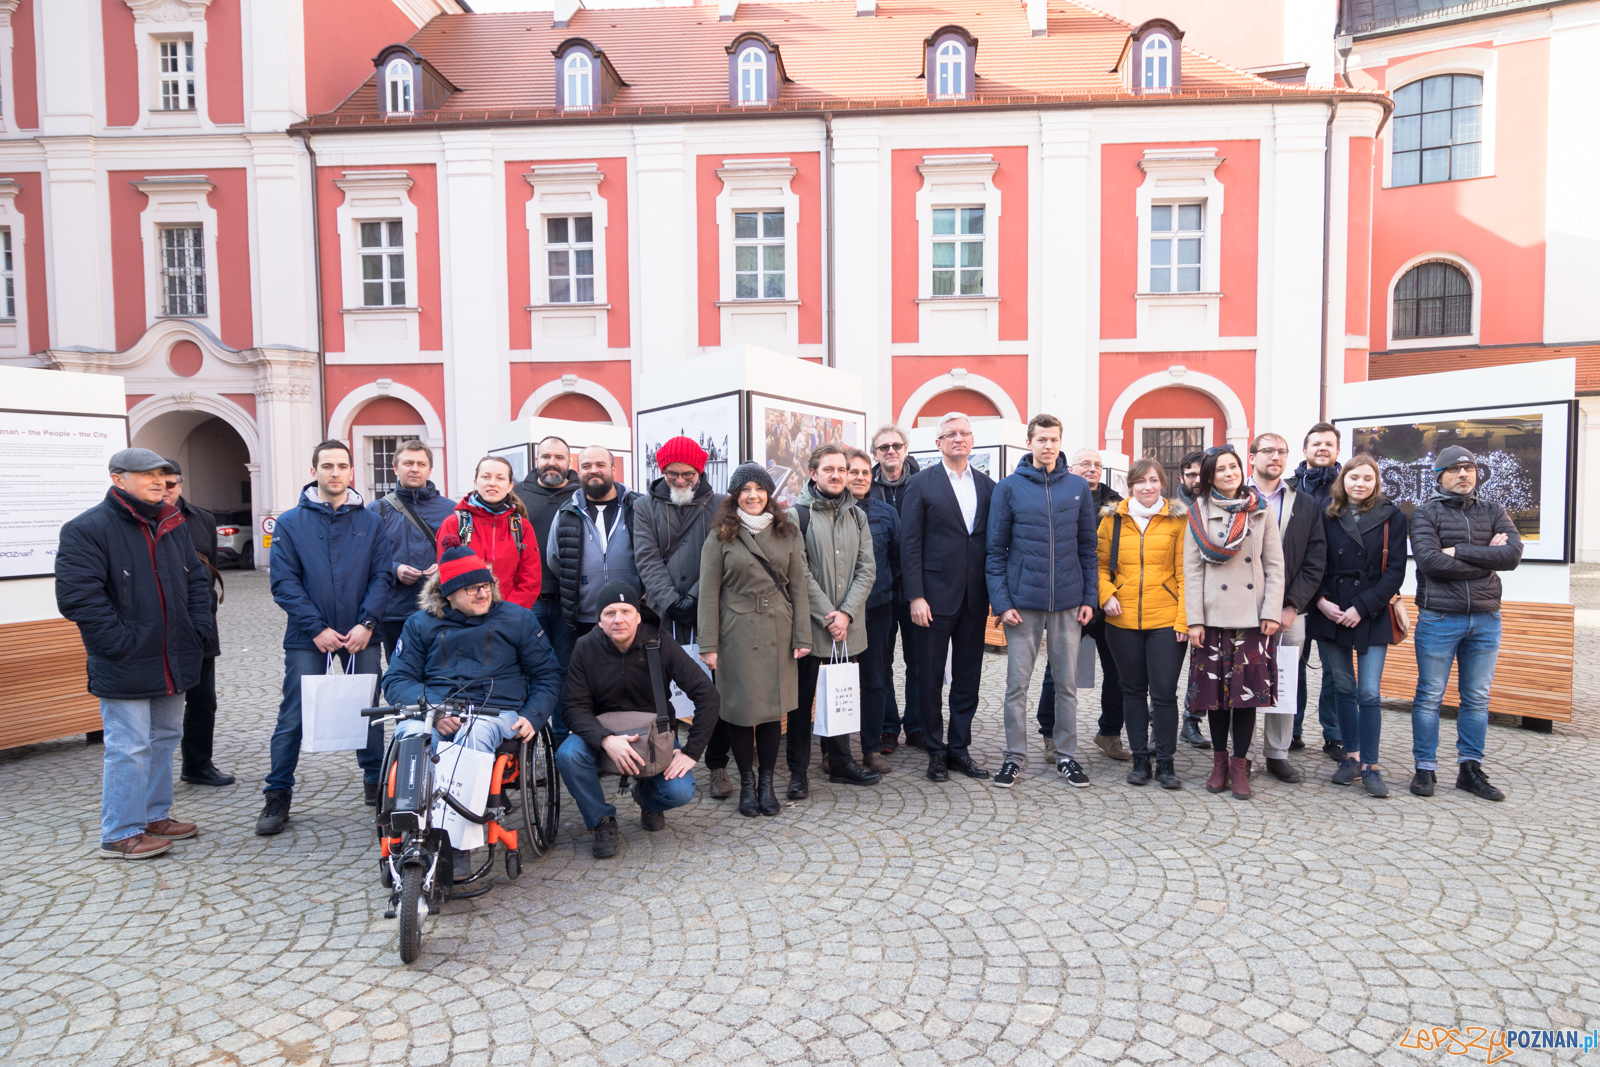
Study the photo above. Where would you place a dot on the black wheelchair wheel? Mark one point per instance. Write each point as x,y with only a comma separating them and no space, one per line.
541,793
410,913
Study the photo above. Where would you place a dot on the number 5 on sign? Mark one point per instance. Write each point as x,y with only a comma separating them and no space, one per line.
1288,665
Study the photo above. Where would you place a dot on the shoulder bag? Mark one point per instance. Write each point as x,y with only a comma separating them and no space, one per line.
1398,618
405,509
657,739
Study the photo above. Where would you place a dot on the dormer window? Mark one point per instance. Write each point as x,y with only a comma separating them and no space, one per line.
585,78
399,80
1157,62
1152,58
951,54
753,75
755,70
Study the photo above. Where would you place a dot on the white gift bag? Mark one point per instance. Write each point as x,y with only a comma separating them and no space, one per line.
838,696
1288,664
682,706
1086,658
330,709
465,772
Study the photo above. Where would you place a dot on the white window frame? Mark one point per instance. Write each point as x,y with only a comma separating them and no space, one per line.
572,331
571,247
185,83
1167,51
405,79
384,252
181,242
14,331
761,242
1483,62
164,20
958,238
962,322
8,276
1177,233
757,72
577,67
1453,341
178,200
950,57
758,185
390,333
1181,176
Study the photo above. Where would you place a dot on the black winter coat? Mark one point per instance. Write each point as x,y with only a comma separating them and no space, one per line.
1465,582
542,503
202,527
1305,552
140,596
1355,577
601,678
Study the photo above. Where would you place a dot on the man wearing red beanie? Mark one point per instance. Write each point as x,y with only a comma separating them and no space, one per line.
671,524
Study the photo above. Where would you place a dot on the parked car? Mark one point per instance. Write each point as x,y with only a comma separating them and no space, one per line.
235,543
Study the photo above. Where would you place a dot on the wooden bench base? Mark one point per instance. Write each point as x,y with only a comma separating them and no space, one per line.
44,696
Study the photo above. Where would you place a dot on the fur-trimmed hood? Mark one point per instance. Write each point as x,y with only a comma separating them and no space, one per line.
1175,509
432,600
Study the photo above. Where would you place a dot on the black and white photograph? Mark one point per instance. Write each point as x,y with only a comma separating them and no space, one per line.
711,423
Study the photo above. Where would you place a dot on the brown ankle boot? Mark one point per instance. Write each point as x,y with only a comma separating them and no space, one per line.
1239,777
1219,773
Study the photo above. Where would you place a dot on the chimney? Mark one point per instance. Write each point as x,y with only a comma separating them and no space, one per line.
565,9
726,10
1038,18
867,8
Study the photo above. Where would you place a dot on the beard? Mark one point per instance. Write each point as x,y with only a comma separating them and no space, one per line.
595,488
681,496
551,477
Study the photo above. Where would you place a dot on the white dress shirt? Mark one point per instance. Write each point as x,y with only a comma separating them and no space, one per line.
966,490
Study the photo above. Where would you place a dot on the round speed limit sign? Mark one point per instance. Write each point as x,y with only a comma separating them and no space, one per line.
268,524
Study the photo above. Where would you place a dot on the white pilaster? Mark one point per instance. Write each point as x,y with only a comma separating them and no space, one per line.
861,291
77,247
665,216
67,44
475,394
1066,375
274,64
1572,226
280,236
1287,393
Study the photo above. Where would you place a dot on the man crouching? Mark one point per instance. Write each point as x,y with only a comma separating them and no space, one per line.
610,671
467,644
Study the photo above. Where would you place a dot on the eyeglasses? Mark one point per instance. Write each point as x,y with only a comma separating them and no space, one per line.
479,589
679,476
1272,451
888,448
954,434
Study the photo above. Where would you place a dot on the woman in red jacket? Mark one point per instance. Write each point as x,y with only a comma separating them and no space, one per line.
493,523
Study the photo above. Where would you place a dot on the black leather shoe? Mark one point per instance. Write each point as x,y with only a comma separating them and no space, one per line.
937,772
799,788
1284,771
1297,744
1422,783
1333,750
207,775
1471,778
748,805
369,794
965,765
606,836
1191,734
852,773
765,796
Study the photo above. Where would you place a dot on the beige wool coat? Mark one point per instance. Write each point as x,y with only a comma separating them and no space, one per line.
751,625
1241,593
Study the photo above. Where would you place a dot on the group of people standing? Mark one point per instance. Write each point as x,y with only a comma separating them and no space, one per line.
585,584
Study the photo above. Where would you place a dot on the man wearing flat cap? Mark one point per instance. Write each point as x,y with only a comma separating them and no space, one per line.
611,671
127,574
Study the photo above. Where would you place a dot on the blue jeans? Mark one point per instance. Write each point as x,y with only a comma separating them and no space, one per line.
561,638
136,786
892,720
485,734
580,771
1355,679
1327,708
297,663
1472,643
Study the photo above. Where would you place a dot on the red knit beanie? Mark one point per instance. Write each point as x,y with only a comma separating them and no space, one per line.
681,450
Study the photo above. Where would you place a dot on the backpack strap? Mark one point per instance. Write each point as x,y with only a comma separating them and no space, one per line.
652,655
516,531
802,517
1116,542
463,526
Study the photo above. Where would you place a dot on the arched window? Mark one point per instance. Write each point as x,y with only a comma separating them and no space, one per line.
1438,130
753,75
1433,300
397,79
951,65
1157,62
579,90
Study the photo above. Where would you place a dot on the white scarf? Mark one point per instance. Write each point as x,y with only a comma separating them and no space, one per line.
755,523
1141,514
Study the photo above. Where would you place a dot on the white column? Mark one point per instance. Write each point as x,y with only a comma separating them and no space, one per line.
1288,379
1068,364
861,288
290,424
1572,218
78,253
274,64
664,213
68,47
475,394
280,210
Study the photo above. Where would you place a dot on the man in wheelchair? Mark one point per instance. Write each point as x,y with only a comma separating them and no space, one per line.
467,644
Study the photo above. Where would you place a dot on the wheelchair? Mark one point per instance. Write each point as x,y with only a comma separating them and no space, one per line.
415,858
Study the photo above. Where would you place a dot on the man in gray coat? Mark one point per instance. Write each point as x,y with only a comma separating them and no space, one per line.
840,570
670,526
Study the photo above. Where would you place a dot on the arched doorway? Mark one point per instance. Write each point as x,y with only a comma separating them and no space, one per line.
216,472
969,401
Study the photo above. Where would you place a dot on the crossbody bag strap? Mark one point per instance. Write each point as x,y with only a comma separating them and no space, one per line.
1385,565
1116,542
652,655
783,589
405,509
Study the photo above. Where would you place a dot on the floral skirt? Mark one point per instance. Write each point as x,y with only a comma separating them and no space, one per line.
1233,669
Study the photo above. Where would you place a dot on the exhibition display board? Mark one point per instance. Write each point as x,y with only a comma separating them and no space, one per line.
57,432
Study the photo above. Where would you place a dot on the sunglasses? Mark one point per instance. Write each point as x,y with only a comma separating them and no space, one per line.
1217,450
172,484
887,448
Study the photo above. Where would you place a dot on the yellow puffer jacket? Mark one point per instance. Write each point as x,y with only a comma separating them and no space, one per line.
1149,581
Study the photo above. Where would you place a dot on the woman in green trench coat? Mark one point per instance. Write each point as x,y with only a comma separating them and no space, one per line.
755,622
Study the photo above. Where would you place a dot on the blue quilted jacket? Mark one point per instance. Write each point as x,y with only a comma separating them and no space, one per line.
1042,541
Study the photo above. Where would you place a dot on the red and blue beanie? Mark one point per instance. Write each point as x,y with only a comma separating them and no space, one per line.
461,567
681,450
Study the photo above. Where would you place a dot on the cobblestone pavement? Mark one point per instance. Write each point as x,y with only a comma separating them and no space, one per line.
912,923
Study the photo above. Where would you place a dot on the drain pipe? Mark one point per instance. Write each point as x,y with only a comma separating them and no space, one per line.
1327,231
304,137
831,359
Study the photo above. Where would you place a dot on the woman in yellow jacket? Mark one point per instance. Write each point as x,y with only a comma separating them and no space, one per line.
1141,590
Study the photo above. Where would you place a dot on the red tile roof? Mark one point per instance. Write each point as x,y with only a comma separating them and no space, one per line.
674,61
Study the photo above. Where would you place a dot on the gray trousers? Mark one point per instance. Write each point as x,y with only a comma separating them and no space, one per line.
1061,632
1276,733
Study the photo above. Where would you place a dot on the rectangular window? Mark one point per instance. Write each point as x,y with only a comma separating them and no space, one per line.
1168,445
383,264
380,467
758,257
569,253
183,270
8,309
958,251
1176,231
176,58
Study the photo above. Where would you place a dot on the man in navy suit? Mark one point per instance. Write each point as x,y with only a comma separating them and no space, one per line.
943,523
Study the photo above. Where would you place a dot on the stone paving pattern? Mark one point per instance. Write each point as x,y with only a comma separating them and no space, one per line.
908,924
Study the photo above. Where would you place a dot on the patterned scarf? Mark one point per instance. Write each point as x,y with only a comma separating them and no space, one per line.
1240,507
